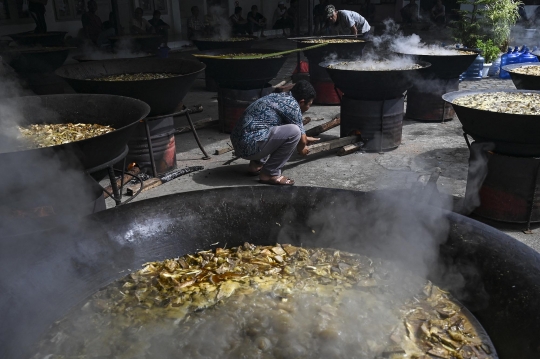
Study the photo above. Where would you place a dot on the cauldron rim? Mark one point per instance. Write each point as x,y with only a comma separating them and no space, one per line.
451,96
484,238
62,73
325,64
511,67
74,96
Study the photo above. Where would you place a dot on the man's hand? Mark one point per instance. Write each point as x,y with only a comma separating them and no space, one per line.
311,140
303,143
304,151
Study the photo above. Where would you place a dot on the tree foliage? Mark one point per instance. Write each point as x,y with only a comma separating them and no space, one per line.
486,19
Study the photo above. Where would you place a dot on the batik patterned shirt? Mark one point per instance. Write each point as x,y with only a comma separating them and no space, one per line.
254,126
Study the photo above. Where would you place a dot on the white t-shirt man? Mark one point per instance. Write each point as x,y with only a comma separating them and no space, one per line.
348,19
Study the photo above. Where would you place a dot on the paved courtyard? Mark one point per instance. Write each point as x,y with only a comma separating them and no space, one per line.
424,148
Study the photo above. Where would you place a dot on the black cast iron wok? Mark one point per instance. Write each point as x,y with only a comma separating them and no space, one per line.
512,134
42,276
522,81
121,113
373,85
163,95
242,74
445,66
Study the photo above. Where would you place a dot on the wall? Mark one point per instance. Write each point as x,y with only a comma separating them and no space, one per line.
73,27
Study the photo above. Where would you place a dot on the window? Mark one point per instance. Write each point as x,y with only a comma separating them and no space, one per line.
14,12
149,6
66,10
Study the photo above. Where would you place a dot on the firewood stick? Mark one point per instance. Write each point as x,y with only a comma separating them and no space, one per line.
127,178
330,145
207,122
345,150
223,150
315,131
306,120
148,184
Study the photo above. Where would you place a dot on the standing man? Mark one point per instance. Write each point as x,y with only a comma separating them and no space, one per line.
91,23
319,16
347,22
139,25
195,27
271,129
438,13
240,25
37,10
256,21
409,13
160,26
281,19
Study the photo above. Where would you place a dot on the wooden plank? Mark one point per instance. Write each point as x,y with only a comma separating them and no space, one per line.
223,150
330,145
148,184
345,150
315,131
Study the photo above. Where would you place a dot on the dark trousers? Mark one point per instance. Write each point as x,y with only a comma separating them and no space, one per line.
240,29
277,149
41,25
284,24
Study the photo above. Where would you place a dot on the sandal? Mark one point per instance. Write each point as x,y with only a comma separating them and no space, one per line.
280,181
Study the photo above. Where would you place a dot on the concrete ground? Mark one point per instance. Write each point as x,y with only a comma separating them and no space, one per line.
425,146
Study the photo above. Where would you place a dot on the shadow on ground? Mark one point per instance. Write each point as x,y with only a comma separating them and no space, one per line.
446,159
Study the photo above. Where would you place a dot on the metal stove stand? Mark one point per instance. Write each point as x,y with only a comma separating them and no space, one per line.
116,194
184,112
529,167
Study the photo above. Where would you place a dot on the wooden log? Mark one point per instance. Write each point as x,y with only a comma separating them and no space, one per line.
315,131
207,122
148,184
223,150
330,145
127,178
306,120
345,150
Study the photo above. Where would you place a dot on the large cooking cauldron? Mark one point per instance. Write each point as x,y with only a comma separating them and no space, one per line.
121,113
216,44
102,56
242,74
49,38
522,81
37,59
512,134
163,95
45,274
373,85
444,66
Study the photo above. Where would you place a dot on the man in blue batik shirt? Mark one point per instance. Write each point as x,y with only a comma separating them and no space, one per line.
271,129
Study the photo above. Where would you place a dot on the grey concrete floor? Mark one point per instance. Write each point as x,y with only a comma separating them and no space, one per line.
424,147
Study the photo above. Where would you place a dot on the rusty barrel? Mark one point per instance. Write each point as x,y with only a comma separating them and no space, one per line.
233,102
379,122
425,103
163,144
327,93
511,189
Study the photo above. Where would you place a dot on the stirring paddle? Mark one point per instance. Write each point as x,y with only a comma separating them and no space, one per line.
258,56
